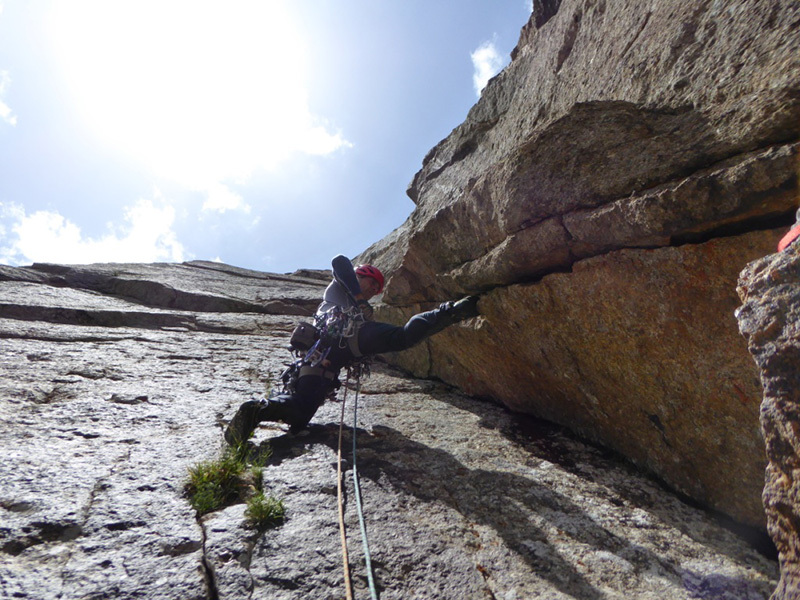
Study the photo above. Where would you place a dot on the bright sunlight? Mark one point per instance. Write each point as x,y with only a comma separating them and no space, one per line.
200,92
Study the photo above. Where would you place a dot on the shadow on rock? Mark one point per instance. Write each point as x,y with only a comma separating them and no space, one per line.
506,502
287,446
586,459
524,511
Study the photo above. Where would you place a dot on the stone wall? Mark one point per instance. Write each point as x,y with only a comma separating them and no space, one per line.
602,196
770,320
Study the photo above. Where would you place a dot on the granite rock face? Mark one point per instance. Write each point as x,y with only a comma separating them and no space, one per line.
109,392
770,320
602,196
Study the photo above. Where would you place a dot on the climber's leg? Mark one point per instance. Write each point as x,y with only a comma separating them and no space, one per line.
376,338
277,408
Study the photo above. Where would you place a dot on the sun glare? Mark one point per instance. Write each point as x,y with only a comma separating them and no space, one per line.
199,91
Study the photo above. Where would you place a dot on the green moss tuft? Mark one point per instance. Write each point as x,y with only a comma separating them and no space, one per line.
263,511
231,478
216,483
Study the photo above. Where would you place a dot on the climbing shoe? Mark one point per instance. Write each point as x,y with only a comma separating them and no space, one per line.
299,430
450,313
465,308
243,422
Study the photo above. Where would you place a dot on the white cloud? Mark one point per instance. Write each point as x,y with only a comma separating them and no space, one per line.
47,236
6,114
200,95
488,63
221,198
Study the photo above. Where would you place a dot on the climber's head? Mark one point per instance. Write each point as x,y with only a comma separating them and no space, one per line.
370,279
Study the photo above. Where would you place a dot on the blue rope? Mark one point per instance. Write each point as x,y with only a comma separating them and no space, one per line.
367,558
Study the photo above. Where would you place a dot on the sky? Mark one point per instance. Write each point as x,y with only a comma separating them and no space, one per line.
266,134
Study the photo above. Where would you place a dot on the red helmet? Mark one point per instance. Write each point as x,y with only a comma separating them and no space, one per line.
370,271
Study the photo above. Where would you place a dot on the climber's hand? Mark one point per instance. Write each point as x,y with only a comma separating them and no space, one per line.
366,309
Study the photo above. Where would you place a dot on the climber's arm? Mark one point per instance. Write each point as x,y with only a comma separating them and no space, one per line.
344,273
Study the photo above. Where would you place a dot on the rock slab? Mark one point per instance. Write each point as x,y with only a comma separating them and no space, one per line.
602,196
770,320
103,411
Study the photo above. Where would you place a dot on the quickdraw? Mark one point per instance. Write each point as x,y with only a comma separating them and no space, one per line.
311,344
334,327
339,324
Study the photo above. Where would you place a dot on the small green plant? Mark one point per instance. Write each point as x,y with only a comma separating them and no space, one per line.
257,472
215,483
263,511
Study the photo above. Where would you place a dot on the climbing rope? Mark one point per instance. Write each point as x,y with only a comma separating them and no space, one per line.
348,586
357,489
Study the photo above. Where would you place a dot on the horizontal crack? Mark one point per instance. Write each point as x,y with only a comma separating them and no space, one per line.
99,318
10,335
753,191
762,223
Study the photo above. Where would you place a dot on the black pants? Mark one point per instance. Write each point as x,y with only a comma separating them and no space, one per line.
312,389
373,338
377,338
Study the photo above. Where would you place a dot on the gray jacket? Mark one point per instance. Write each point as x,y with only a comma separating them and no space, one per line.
342,290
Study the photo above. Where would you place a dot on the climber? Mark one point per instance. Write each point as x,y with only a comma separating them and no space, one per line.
792,236
348,293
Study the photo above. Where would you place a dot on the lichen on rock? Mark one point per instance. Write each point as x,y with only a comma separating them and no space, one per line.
770,320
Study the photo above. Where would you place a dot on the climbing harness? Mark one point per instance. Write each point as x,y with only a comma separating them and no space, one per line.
355,371
312,343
